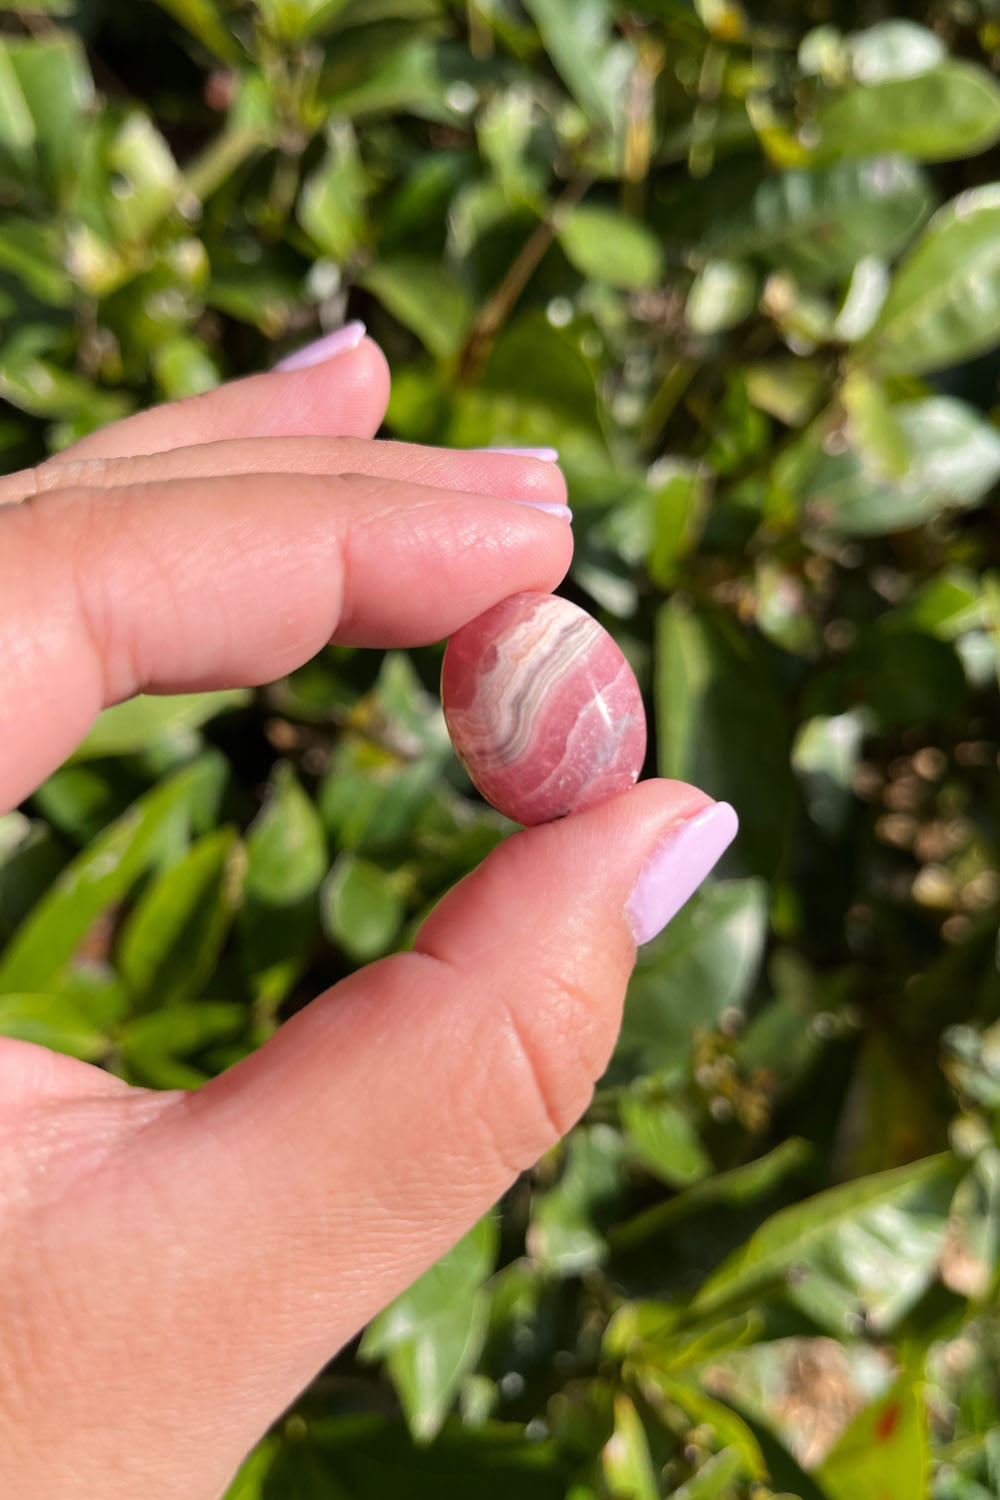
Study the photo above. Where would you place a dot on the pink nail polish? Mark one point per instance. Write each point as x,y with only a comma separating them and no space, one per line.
547,455
550,507
340,341
677,867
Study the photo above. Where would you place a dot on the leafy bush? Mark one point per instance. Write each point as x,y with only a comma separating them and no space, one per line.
744,270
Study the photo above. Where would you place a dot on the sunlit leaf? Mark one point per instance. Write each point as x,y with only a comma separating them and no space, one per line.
884,1450
577,36
723,294
625,1458
286,862
703,964
562,1235
425,299
142,722
820,223
952,110
361,908
867,1248
101,876
171,941
607,246
944,301
664,1138
894,49
721,724
434,1332
203,19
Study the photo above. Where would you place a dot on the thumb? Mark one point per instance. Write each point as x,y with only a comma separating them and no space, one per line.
314,1181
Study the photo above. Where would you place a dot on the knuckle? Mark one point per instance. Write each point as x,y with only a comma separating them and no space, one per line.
558,1037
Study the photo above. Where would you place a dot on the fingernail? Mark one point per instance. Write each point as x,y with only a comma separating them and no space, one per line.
328,347
547,455
677,867
549,507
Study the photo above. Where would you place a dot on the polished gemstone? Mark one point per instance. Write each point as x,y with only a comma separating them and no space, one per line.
542,708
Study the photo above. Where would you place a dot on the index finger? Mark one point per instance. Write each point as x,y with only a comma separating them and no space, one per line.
343,395
233,581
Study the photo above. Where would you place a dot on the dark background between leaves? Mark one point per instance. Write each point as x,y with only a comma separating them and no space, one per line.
712,255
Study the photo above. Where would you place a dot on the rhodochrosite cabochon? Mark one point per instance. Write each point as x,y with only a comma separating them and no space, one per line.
542,708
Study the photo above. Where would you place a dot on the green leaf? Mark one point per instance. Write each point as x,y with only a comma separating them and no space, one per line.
577,34
666,1141
713,1477
52,1021
292,20
873,426
562,1236
952,460
825,756
863,300
286,863
727,1425
425,298
101,876
17,127
333,203
170,943
944,302
33,253
56,83
606,245
946,606
373,1456
157,1047
884,1451
542,370
411,78
203,19
868,1248
894,49
184,367
433,1334
818,224
723,294
735,1189
39,7
142,722
625,1458
721,724
704,963
789,389
250,1481
951,111
678,496
382,773
81,800
31,857
361,908
147,178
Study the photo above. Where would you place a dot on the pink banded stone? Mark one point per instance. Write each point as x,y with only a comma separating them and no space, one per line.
542,708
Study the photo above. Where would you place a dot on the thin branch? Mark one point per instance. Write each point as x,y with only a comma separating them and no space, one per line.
499,305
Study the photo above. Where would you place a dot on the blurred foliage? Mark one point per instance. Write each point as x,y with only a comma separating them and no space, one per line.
742,265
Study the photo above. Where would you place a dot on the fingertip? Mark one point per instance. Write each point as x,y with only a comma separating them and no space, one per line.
343,395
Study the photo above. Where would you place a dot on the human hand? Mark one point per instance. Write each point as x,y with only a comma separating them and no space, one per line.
177,1266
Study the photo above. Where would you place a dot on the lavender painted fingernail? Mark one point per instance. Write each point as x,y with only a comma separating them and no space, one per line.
550,507
677,867
547,455
340,341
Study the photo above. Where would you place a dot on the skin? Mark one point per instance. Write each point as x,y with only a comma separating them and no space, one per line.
175,1267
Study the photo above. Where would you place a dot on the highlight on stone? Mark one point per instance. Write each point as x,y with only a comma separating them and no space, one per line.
543,710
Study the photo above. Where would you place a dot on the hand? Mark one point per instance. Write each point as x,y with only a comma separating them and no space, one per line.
177,1266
